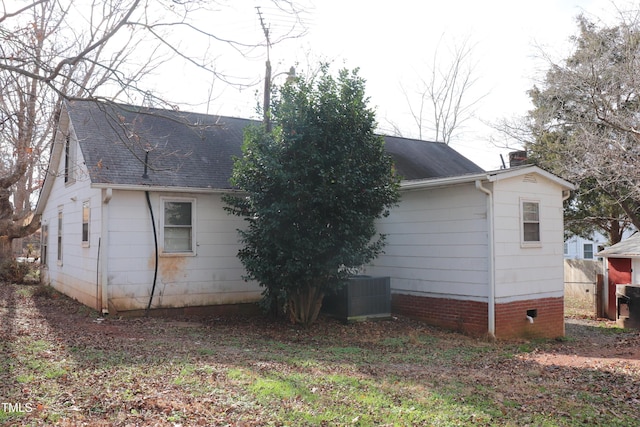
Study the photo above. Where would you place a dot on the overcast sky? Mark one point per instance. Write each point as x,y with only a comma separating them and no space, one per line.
393,43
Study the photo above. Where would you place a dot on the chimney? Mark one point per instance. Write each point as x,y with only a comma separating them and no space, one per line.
517,158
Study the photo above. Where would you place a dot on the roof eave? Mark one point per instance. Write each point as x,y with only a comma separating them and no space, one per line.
54,161
418,184
526,169
164,189
605,254
491,176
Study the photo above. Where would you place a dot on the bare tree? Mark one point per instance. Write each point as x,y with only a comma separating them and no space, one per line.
444,93
100,49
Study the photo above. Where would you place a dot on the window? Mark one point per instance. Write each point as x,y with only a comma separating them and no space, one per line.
530,222
69,155
178,226
588,250
44,243
566,248
59,237
85,223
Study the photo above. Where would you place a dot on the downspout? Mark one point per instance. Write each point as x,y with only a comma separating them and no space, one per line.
107,194
145,175
155,240
98,276
565,195
492,281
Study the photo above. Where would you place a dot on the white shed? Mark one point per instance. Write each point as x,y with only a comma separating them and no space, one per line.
621,266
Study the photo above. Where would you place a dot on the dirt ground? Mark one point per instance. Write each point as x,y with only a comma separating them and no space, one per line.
588,342
591,344
590,347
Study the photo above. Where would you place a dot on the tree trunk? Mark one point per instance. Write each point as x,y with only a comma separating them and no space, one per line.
630,207
615,231
305,304
5,249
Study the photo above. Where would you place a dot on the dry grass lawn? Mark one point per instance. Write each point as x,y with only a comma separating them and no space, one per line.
62,365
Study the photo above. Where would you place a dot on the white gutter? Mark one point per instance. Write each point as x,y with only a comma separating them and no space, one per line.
420,184
159,188
492,281
107,194
491,176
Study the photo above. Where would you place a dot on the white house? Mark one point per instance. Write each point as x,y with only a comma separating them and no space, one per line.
132,219
576,247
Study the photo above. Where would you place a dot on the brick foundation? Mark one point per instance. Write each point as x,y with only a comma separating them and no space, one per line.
471,317
511,319
468,317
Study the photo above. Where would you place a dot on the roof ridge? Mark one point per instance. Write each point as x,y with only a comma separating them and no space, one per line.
139,109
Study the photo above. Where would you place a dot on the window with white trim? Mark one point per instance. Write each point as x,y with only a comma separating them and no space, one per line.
69,158
530,211
44,244
60,237
86,214
587,250
178,220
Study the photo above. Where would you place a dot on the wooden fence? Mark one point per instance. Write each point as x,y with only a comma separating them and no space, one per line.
580,281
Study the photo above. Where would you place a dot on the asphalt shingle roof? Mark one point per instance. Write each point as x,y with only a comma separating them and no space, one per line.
185,149
417,159
192,150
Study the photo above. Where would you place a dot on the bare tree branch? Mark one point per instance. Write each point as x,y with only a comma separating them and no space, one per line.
446,91
98,49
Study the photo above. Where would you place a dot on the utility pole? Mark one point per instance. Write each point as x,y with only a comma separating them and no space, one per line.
267,76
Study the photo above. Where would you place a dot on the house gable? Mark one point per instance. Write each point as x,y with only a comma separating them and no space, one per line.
528,265
55,161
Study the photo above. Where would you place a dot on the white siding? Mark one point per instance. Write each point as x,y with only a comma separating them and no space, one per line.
437,244
212,276
523,272
575,246
76,276
635,271
125,258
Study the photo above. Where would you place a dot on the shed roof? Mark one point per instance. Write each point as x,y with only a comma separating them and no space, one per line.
192,150
628,248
